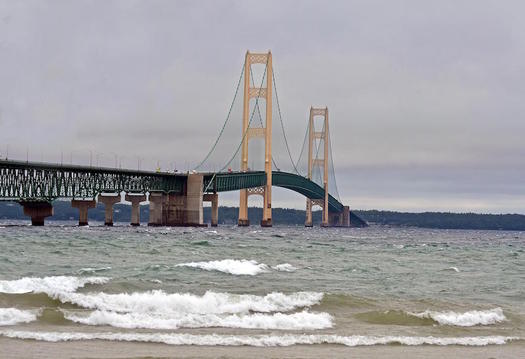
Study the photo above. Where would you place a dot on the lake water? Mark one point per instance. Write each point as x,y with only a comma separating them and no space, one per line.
289,287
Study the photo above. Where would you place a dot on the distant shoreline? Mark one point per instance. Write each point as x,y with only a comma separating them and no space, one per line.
286,216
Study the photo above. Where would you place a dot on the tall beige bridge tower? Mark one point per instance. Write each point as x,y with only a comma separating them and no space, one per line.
314,160
263,92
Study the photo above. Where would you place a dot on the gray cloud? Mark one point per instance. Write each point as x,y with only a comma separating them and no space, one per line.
425,98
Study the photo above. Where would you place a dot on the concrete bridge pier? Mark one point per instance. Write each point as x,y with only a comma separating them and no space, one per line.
339,219
109,200
178,209
193,209
38,211
136,200
83,206
157,202
214,199
308,222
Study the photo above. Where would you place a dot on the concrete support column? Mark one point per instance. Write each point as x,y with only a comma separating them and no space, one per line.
346,216
340,219
175,210
157,201
214,199
215,211
326,213
308,222
38,211
83,206
243,209
194,216
178,209
109,200
135,200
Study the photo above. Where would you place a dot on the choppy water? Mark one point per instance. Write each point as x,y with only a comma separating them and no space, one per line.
262,287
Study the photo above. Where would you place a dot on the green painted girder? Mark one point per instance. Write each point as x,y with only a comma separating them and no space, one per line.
29,181
234,181
306,187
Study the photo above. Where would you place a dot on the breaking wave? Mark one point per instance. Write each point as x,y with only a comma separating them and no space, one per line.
92,270
49,285
466,319
230,266
158,301
285,267
297,321
12,316
259,340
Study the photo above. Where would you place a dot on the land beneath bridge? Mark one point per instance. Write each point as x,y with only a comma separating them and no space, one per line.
285,216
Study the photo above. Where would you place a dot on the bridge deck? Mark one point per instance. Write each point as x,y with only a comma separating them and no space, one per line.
47,181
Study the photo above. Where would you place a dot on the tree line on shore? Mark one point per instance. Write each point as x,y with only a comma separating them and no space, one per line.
286,216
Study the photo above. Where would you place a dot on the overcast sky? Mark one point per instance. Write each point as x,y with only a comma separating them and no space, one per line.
426,98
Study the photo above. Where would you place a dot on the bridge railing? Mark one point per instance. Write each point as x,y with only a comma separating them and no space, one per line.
46,182
234,181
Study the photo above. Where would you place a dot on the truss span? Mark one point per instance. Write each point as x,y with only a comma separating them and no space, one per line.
223,182
27,181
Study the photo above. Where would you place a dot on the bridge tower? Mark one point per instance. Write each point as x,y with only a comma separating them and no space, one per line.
314,161
265,132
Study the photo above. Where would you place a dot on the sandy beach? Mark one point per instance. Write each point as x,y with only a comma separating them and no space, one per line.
17,349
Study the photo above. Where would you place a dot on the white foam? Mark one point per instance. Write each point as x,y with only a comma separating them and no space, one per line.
11,316
157,301
455,269
297,321
230,266
49,285
466,319
285,267
259,340
92,270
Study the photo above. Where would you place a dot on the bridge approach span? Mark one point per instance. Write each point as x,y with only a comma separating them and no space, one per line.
34,181
234,181
35,185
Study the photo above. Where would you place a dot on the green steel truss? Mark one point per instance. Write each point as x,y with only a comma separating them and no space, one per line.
26,181
29,181
234,181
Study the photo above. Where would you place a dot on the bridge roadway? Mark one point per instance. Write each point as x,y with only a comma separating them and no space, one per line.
36,185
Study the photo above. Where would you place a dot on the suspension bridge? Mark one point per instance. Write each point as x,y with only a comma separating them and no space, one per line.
247,164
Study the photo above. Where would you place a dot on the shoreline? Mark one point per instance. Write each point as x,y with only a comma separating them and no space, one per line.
97,349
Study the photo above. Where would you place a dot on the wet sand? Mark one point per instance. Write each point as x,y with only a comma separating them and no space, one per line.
14,348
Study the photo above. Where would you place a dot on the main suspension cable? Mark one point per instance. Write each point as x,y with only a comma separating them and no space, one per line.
225,122
282,124
249,123
333,168
260,117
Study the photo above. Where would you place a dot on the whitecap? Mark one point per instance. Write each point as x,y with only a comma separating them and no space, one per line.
258,340
12,316
157,301
285,267
48,285
297,321
455,269
230,266
92,270
466,319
